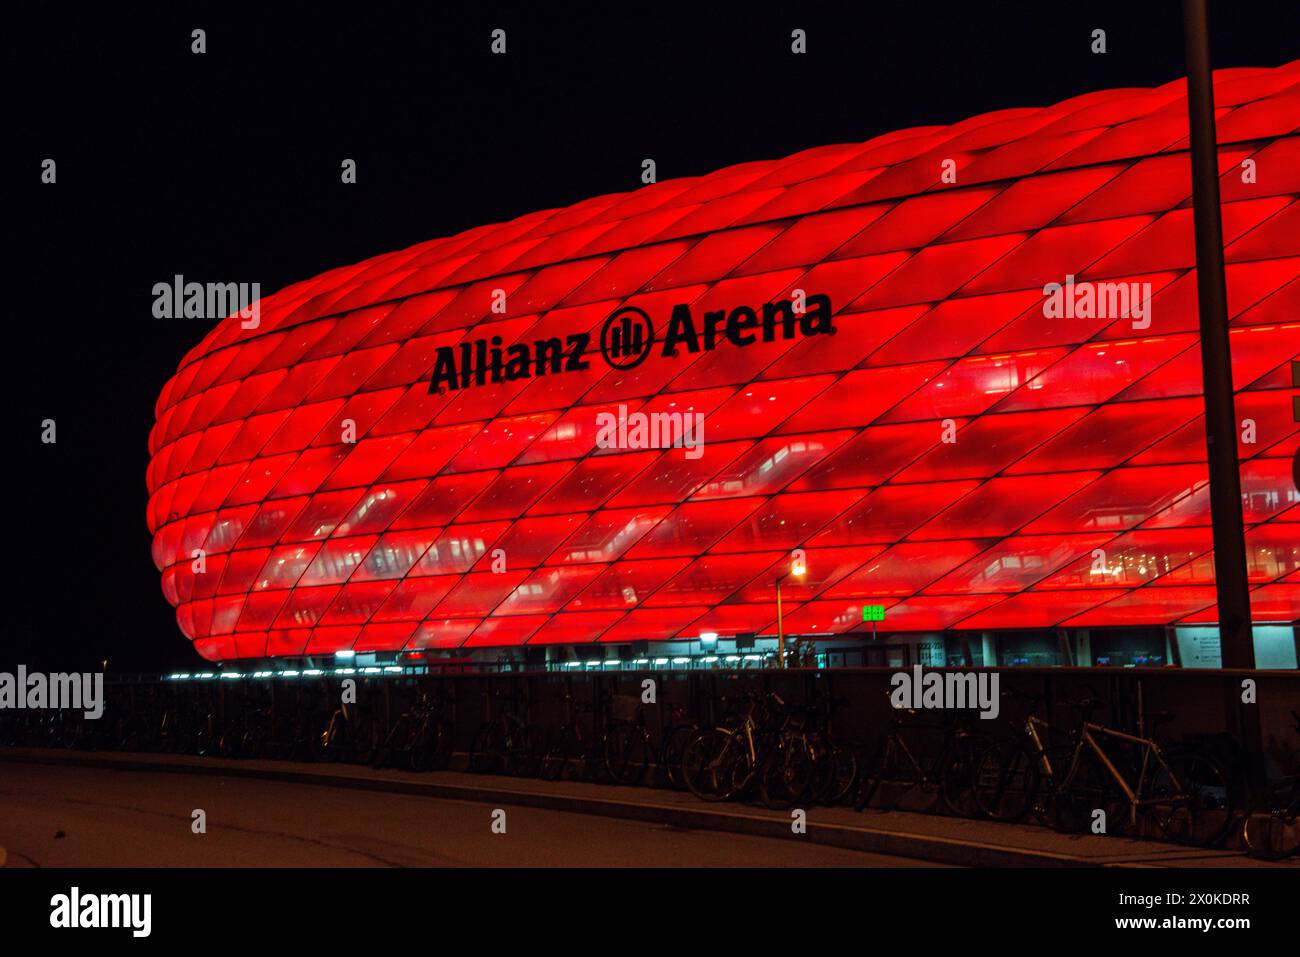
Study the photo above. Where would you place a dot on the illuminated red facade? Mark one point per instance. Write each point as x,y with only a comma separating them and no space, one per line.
952,452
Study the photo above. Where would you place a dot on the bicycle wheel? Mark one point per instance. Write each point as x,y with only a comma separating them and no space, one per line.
882,777
674,747
956,774
203,743
1072,805
557,756
257,743
363,744
383,755
785,775
706,764
591,767
1193,804
627,752
339,747
420,752
525,750
834,768
1003,780
1270,836
846,774
484,757
444,745
228,744
739,769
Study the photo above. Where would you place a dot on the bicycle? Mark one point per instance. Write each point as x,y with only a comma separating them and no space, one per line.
630,749
292,735
245,734
506,743
1126,776
347,735
1004,780
1271,834
765,748
134,733
205,737
573,748
174,737
895,769
835,765
786,770
422,734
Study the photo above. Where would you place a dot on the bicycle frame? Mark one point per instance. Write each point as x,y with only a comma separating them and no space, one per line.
923,775
745,734
1152,761
919,774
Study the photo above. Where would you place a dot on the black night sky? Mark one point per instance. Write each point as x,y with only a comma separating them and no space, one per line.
226,167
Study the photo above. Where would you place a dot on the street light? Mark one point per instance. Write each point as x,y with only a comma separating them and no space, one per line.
798,568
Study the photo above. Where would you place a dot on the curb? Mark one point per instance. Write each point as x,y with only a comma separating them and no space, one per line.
942,850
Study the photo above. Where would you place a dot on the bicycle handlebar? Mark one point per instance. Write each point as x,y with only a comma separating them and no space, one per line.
1085,706
1017,693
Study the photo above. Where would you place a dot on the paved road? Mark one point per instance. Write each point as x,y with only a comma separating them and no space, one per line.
110,818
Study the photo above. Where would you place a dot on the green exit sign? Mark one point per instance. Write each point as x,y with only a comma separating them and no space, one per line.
873,612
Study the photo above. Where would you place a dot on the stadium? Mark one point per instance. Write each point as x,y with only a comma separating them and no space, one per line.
995,446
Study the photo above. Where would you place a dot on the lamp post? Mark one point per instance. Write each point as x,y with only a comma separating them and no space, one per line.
798,568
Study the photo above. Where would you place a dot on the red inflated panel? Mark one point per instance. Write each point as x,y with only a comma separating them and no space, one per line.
977,403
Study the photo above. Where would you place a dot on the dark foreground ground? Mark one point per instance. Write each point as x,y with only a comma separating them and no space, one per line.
99,817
